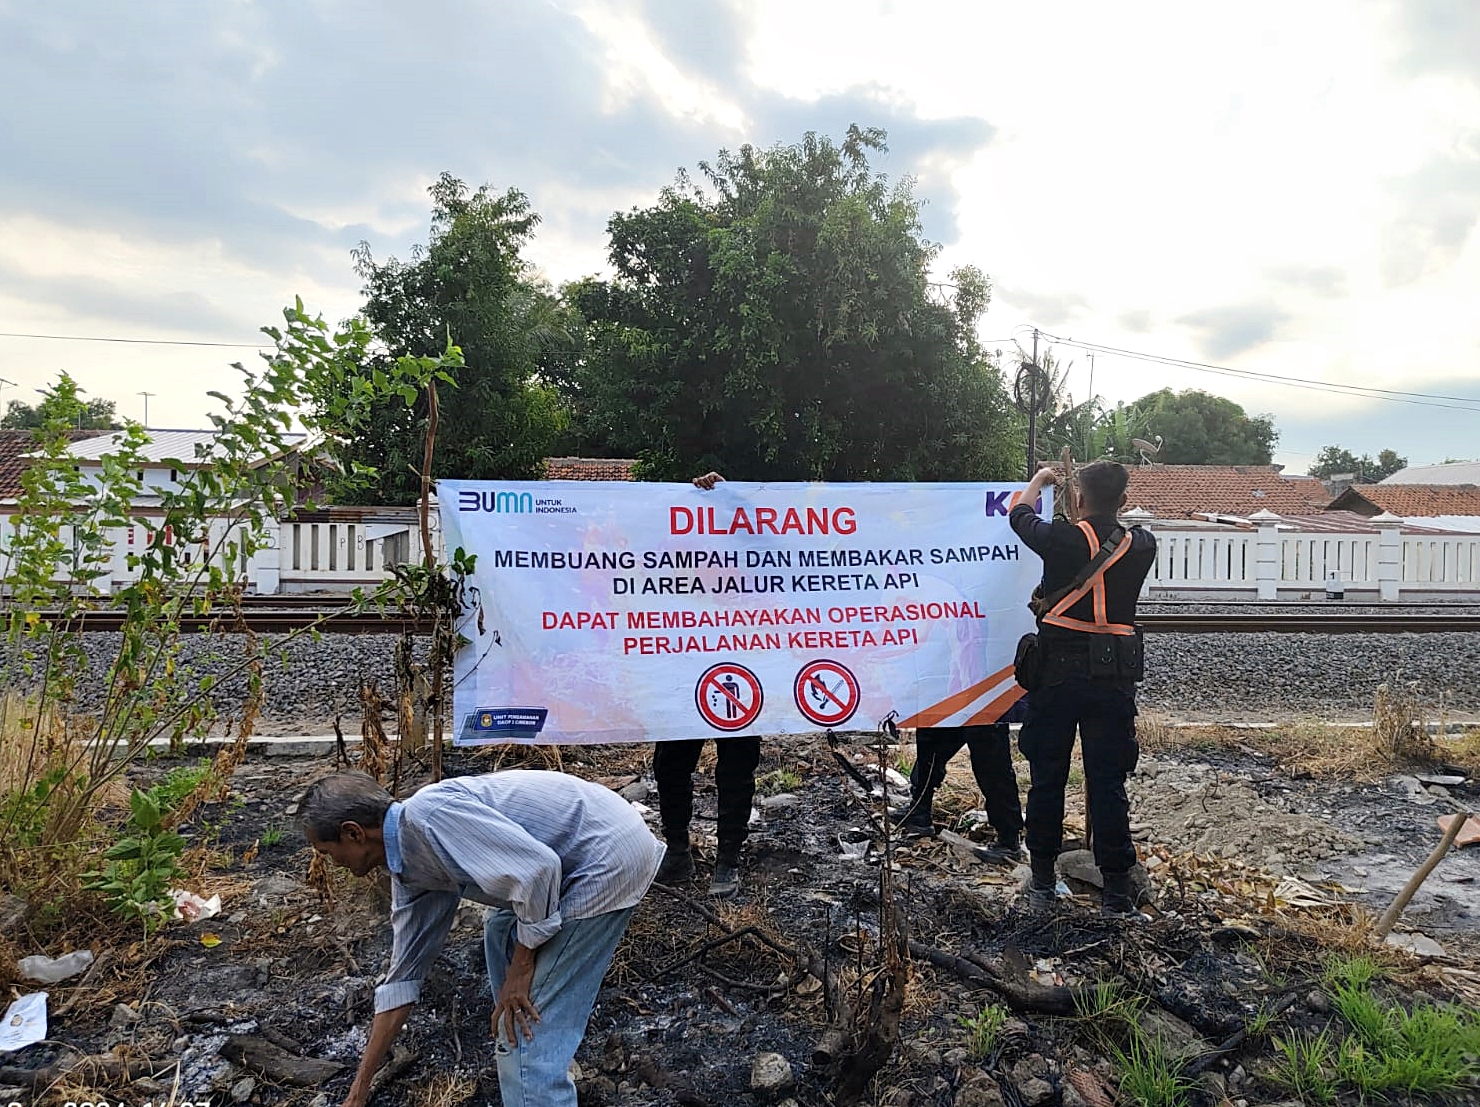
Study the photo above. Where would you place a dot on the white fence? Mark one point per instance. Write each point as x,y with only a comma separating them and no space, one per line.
1271,563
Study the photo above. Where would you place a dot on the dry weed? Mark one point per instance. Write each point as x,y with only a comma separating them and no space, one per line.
516,755
445,1090
1399,729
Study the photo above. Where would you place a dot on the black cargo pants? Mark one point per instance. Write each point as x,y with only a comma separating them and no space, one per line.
1104,714
734,777
990,749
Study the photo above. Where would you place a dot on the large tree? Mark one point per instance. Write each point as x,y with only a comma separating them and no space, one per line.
1334,461
64,396
779,322
1198,428
469,284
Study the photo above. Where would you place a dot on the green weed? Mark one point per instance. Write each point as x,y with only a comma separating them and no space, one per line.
181,781
272,835
1304,1066
776,782
1111,1011
983,1030
1150,1075
1355,972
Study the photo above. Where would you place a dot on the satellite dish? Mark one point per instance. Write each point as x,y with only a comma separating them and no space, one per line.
1146,449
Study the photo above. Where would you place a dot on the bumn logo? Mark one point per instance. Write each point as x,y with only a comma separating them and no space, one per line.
503,503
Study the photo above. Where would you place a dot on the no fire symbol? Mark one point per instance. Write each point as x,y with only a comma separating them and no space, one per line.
827,693
728,696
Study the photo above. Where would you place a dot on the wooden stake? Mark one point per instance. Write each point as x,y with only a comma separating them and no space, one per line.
1391,915
1071,501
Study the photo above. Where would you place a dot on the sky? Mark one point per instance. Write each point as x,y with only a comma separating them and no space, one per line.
1272,188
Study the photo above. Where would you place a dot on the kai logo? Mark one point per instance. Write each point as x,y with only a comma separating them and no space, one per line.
1000,503
502,503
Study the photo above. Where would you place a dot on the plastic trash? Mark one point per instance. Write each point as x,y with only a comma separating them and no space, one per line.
24,1022
191,908
50,970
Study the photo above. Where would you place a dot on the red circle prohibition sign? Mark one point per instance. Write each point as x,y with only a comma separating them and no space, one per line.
728,696
827,693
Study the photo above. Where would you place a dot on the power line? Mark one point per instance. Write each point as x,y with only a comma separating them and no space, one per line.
1421,399
132,341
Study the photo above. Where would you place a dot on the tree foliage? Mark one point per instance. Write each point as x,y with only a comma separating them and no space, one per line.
64,396
778,322
470,286
1334,460
1198,428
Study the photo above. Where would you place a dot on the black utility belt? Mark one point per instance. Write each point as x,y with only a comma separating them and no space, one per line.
1117,657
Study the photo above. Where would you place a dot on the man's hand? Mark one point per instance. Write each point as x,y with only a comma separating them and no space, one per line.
707,481
515,1011
383,1032
1049,474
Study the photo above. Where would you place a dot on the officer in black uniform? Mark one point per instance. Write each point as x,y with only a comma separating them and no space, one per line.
734,778
990,749
1090,662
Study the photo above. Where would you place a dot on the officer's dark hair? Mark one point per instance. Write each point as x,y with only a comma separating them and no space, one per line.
1102,483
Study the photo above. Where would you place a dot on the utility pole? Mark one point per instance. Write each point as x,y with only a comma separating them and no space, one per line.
1033,410
3,383
146,396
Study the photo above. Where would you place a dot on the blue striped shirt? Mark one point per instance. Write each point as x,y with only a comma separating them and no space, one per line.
547,846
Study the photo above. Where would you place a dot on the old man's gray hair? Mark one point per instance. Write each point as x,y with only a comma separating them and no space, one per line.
333,800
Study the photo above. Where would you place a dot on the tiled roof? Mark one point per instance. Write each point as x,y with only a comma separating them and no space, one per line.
15,445
1182,491
1410,500
589,468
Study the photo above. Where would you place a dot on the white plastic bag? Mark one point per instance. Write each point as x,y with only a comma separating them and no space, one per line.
51,970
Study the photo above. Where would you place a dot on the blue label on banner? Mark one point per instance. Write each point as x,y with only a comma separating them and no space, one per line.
510,722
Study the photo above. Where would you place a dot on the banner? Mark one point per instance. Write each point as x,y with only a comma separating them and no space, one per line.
623,611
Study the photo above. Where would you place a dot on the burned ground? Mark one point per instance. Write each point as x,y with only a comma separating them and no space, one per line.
700,990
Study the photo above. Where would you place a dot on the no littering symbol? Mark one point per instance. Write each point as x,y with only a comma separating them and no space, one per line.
827,693
728,696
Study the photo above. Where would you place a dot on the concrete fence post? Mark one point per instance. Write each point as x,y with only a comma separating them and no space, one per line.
1389,556
1140,517
264,568
1267,555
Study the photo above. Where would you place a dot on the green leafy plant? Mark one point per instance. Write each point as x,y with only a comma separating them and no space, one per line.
982,1030
81,540
181,781
142,867
24,810
272,835
1263,1021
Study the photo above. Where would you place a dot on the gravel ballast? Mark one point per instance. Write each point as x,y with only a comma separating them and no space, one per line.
1224,677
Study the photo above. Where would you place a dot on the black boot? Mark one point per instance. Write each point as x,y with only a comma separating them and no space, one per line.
1118,899
726,879
1004,851
914,818
1043,890
677,866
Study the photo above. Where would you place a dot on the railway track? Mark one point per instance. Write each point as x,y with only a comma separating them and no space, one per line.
282,615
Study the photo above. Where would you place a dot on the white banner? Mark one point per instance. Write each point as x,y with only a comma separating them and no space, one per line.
621,612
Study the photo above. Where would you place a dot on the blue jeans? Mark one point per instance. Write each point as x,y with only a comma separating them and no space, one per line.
568,970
